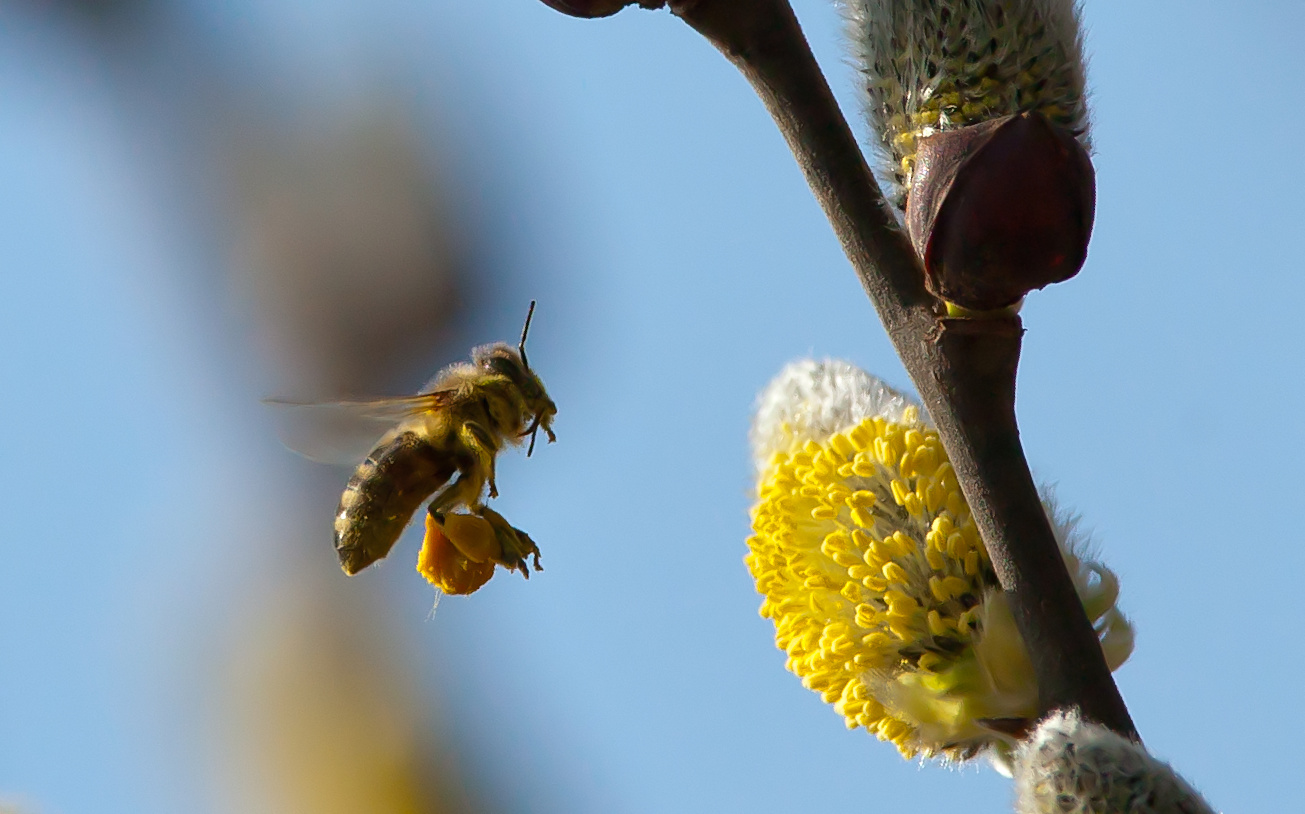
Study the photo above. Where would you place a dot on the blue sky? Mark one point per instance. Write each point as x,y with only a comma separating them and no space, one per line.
679,261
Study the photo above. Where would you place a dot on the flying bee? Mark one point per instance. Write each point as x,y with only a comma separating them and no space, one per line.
442,442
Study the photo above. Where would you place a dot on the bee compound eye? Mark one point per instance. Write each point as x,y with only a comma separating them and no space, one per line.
505,365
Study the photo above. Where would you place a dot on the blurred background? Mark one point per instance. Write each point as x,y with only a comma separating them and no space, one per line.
202,205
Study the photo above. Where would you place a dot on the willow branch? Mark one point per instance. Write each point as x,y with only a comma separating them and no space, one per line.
964,369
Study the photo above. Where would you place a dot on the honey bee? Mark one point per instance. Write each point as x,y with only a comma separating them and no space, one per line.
455,426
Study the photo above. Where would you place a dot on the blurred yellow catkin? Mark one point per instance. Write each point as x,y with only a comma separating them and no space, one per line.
322,715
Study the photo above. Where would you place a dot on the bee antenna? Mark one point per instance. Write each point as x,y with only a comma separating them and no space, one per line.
521,347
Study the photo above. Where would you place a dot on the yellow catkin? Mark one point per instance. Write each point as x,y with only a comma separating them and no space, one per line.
873,573
846,598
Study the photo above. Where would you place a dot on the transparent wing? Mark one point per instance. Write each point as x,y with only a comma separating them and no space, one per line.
343,432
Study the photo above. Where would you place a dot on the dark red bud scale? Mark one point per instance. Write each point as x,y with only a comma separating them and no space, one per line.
598,8
999,209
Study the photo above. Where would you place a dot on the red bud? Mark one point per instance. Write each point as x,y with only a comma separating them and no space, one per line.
999,209
598,8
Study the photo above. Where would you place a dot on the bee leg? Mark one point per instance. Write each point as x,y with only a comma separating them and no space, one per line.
482,444
465,491
516,544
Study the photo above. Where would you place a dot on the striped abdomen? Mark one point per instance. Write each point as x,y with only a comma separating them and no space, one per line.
384,493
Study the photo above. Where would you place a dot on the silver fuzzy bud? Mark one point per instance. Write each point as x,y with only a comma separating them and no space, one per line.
1071,766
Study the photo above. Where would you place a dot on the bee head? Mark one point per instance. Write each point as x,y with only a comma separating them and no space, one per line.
511,362
504,360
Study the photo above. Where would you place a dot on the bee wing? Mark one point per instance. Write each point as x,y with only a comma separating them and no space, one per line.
344,432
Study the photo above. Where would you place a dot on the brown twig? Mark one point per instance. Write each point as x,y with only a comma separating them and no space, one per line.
964,369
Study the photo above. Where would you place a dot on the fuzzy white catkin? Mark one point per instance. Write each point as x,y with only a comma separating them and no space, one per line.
812,399
1071,766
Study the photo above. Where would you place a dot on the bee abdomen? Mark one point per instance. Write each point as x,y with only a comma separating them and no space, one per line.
384,492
